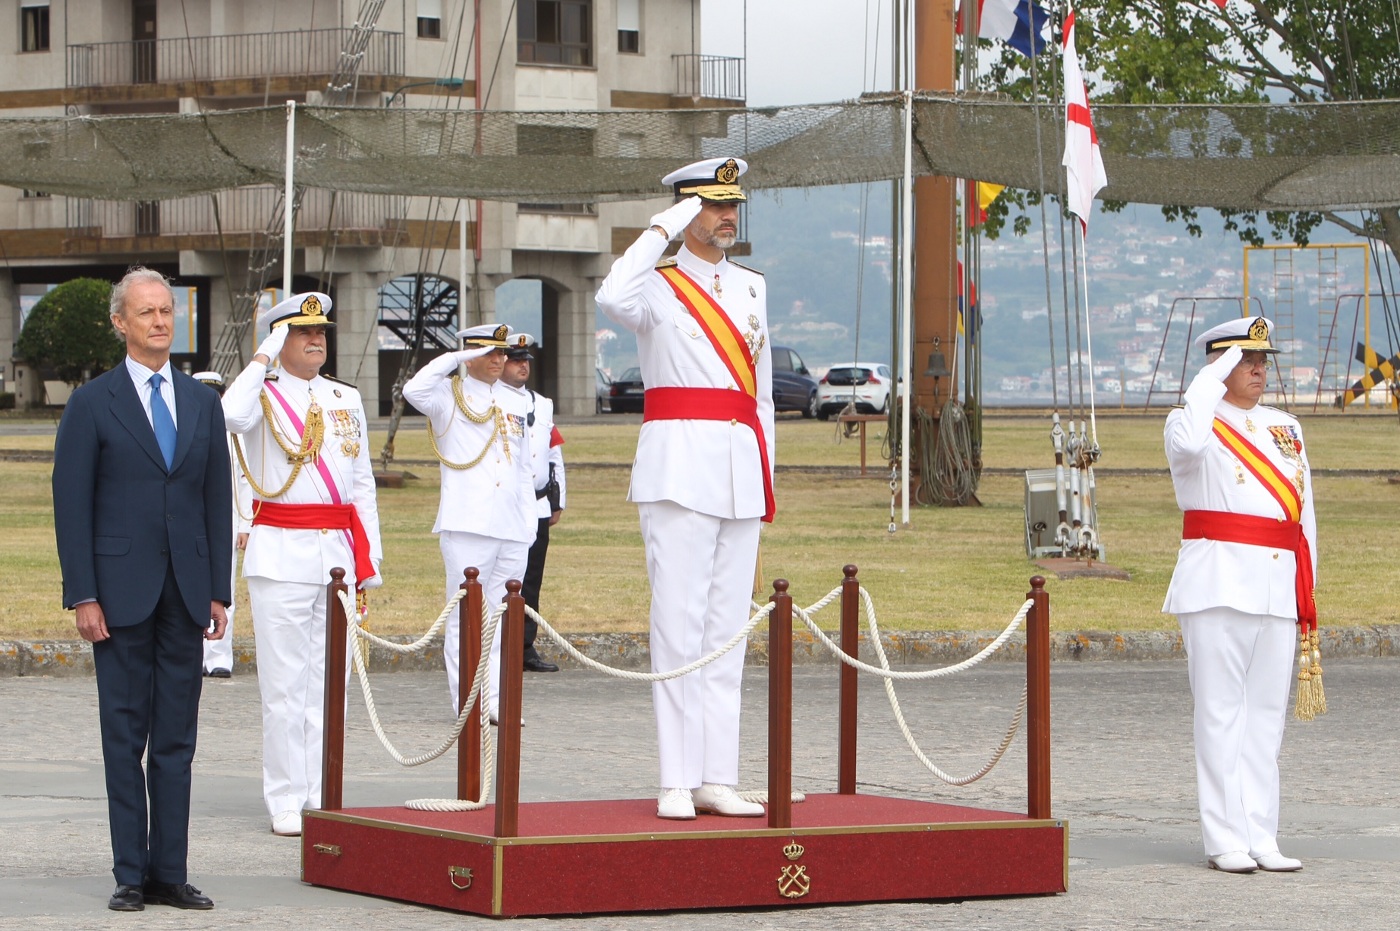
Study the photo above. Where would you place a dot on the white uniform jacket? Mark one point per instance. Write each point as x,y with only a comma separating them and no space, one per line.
341,474
709,466
542,453
496,497
1208,476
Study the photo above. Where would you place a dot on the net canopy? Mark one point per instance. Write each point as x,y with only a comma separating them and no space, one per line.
1250,157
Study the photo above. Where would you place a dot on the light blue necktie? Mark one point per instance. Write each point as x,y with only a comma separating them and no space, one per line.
163,423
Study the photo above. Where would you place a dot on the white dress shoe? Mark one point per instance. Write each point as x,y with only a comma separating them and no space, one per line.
675,804
1236,861
723,800
1277,863
287,824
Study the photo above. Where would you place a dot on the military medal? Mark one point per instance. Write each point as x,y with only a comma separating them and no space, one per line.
347,427
719,292
1290,446
1249,424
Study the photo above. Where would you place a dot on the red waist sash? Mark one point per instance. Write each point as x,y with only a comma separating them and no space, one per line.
1261,531
713,404
321,517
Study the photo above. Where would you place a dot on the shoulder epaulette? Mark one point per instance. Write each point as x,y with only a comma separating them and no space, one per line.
1178,407
746,268
667,262
339,381
270,376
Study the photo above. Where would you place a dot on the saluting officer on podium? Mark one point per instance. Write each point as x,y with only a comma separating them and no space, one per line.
1243,580
305,451
703,474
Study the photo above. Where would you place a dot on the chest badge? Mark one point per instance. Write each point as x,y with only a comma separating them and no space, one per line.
752,292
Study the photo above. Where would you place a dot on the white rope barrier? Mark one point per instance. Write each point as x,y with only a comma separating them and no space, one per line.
491,619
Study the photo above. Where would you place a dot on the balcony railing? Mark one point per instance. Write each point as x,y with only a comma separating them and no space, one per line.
243,210
713,76
214,58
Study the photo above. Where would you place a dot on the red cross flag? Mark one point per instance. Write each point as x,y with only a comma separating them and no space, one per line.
1083,161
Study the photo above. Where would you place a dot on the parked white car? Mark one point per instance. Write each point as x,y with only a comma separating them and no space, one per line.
866,385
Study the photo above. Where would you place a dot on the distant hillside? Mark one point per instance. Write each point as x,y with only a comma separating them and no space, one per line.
807,243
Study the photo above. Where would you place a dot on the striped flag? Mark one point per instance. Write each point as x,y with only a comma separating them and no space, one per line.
1082,160
1018,23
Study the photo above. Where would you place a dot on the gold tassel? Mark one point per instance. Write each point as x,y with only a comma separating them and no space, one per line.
1306,707
362,609
1319,696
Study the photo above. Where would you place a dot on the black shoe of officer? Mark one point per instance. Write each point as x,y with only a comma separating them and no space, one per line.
533,663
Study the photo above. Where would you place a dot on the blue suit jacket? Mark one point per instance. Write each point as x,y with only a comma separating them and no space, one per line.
123,519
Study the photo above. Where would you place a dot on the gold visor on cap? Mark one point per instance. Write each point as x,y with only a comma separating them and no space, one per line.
715,192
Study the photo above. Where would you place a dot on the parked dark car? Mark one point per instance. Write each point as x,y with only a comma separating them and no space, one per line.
794,388
625,392
601,387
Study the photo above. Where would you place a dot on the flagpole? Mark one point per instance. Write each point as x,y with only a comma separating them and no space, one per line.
907,302
1088,332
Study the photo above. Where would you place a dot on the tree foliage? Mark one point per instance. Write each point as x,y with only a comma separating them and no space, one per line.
69,330
1192,51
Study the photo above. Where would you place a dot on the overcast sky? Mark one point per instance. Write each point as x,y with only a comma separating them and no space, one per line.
802,51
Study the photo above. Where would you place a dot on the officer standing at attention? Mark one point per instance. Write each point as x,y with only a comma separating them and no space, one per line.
703,474
547,460
486,509
306,456
1243,587
218,654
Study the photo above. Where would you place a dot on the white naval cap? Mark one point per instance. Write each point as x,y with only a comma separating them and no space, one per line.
1249,333
493,335
518,347
715,179
209,378
311,308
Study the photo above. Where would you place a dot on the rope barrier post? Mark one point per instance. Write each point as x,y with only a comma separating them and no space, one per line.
1038,700
780,708
512,634
849,684
333,745
468,659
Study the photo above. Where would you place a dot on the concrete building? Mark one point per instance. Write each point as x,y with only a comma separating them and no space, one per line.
378,256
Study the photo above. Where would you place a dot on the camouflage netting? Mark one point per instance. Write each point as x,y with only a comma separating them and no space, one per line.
1264,157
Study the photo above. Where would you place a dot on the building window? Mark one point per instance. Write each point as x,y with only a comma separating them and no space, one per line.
27,194
629,26
34,26
430,19
555,32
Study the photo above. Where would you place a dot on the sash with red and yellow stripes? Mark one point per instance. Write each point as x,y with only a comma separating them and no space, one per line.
710,403
1281,533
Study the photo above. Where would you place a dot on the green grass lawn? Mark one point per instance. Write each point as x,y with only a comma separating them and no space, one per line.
952,568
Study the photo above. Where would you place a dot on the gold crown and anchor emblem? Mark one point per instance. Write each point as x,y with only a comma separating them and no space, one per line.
1259,329
794,850
311,307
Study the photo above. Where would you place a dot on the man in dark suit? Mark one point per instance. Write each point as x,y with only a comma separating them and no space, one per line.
143,514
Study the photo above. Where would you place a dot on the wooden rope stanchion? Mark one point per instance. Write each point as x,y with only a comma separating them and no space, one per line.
508,711
1038,701
468,659
848,701
333,742
780,708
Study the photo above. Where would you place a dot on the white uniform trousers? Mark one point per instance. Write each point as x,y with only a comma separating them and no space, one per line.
498,561
1241,667
218,654
701,571
289,621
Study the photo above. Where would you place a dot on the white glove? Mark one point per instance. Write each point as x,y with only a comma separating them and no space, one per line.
472,352
271,346
1221,368
375,580
678,216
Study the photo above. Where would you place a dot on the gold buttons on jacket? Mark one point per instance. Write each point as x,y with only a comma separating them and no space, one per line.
324,530
733,423
1276,555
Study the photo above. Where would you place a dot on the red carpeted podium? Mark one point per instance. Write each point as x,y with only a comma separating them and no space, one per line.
579,857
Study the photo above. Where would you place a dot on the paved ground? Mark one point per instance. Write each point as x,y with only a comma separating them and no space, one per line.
1123,777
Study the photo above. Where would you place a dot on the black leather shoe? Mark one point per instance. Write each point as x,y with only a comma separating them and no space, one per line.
219,674
126,899
535,664
178,896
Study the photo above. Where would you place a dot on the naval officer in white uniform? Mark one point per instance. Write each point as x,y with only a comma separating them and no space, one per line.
305,451
1242,586
702,478
486,509
547,461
